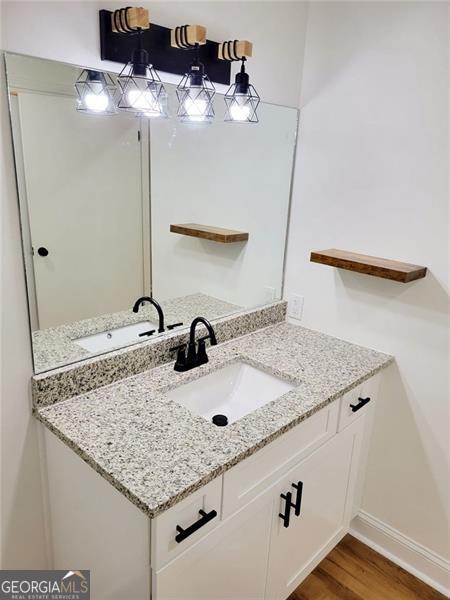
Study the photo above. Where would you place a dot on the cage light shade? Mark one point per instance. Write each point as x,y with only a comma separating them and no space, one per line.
95,93
241,100
141,92
195,94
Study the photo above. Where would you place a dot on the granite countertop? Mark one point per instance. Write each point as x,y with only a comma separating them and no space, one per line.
54,347
157,452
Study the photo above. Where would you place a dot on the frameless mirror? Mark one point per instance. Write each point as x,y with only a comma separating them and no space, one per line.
114,208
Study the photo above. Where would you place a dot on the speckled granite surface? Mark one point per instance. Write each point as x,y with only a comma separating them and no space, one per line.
156,452
55,346
92,373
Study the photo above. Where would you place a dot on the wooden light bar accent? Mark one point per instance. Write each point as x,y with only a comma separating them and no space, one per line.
195,34
235,50
129,19
206,232
369,265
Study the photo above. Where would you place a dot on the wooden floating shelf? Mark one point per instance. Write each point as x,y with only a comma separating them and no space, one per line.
206,232
369,265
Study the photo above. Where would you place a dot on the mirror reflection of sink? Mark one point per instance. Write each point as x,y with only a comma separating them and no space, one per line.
116,337
233,391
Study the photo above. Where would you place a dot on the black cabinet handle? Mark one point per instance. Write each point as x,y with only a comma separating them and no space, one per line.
361,402
298,500
286,517
42,251
205,518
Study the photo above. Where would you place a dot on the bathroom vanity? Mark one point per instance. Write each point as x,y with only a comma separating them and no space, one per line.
244,511
220,479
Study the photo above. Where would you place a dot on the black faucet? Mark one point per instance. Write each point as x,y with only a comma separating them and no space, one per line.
195,356
140,301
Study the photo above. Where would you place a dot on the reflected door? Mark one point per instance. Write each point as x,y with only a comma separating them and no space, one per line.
83,185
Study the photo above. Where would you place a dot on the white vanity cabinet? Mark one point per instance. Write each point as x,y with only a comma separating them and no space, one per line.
251,554
246,549
322,482
228,563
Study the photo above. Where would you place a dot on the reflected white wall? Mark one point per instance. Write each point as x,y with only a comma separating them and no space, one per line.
230,175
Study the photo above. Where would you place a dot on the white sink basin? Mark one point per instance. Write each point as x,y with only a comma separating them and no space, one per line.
116,337
233,391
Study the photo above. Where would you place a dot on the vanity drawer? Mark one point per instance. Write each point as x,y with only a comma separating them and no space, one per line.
249,478
356,402
185,515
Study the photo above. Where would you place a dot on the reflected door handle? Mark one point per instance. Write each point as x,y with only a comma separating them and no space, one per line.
42,251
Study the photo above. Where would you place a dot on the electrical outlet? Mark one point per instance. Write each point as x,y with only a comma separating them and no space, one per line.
295,307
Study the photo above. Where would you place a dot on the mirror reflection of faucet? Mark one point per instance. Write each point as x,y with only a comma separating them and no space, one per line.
140,301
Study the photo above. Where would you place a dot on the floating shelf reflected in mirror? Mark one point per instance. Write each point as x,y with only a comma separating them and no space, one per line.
207,232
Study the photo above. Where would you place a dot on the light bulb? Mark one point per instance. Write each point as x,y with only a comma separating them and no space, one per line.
96,102
239,113
145,101
239,109
195,109
96,99
95,93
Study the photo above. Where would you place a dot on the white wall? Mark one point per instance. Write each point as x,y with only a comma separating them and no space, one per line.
68,31
372,177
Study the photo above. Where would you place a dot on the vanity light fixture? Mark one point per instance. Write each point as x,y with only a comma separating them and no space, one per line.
141,90
95,91
241,99
195,92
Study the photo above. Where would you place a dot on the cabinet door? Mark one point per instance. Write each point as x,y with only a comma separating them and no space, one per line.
228,564
294,550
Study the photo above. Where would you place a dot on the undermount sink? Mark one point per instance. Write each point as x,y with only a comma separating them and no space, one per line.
233,391
116,337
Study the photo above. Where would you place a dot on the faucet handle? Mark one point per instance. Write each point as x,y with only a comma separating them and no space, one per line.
202,357
169,327
175,348
180,363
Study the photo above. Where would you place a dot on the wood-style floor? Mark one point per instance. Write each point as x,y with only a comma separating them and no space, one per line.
353,571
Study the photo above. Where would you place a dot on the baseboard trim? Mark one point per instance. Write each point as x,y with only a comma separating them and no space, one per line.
418,560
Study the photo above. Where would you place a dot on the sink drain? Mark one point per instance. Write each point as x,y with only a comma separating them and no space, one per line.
220,420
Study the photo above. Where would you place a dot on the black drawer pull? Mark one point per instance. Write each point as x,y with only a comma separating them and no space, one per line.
298,500
287,509
361,402
205,518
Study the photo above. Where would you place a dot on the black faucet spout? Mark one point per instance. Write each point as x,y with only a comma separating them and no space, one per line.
156,304
207,324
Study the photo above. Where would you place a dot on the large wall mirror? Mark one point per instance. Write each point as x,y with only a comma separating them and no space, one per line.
114,208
